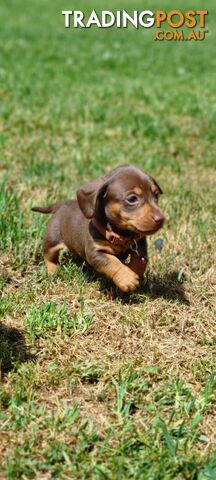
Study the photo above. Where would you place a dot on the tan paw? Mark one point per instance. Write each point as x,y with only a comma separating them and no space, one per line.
126,280
51,267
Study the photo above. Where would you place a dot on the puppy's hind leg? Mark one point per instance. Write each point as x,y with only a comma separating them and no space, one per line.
51,257
53,244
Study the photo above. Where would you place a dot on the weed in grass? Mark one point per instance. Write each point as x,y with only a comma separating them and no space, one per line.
47,317
82,320
51,317
122,406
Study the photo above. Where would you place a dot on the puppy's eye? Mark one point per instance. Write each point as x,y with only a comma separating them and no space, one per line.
132,199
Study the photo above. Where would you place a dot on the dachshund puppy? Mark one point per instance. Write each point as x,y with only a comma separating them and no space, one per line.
109,220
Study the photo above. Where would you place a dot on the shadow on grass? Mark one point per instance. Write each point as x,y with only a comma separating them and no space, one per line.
167,287
13,349
152,286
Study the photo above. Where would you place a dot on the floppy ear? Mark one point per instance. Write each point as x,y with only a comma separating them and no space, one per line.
158,186
87,196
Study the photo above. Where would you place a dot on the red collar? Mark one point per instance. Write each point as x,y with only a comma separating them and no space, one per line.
113,237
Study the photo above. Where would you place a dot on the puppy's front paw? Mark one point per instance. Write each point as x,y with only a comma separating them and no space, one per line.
126,280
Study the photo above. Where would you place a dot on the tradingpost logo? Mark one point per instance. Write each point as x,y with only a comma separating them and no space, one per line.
173,25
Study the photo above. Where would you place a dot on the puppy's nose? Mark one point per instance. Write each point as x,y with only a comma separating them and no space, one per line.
158,219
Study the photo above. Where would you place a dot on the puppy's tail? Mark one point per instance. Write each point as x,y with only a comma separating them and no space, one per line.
51,209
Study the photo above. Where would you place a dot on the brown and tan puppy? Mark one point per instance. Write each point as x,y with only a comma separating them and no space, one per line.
109,220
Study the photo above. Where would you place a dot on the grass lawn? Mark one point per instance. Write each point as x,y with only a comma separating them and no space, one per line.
96,384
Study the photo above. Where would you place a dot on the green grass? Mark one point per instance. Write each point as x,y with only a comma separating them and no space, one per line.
96,384
39,320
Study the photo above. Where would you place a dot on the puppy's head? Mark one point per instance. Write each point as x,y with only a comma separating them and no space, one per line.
127,198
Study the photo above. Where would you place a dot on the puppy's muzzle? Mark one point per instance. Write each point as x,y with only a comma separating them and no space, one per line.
158,220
